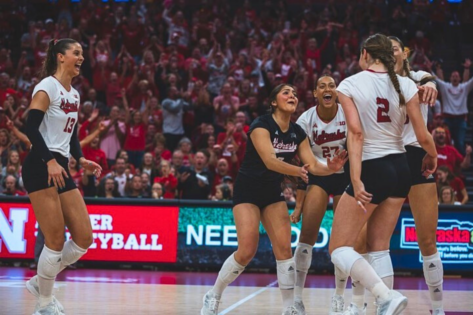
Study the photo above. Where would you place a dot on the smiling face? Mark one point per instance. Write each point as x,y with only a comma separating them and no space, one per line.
326,92
72,60
286,100
399,54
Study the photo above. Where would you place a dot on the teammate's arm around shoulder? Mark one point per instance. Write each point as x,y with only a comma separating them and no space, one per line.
262,142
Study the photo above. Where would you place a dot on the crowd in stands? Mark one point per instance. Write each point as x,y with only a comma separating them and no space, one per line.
169,88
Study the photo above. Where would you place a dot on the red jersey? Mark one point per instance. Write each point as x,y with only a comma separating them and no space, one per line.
135,137
450,157
169,183
96,155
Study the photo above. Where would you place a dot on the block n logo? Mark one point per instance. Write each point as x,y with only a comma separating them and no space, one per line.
12,231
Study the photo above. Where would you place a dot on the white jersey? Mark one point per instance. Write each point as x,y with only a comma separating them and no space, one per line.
409,135
61,117
325,137
382,118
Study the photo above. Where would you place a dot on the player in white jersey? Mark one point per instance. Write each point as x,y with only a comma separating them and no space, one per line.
375,102
423,198
327,131
56,201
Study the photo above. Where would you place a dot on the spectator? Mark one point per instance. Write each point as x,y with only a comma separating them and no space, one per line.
173,111
445,177
5,145
135,137
448,155
108,188
93,152
157,191
217,67
76,173
225,105
146,182
289,194
119,175
196,182
11,187
185,146
222,193
447,196
134,187
113,135
454,102
167,180
13,166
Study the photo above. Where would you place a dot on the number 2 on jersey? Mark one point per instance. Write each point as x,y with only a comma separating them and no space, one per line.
383,110
69,125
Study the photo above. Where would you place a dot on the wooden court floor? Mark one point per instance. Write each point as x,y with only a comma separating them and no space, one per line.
103,295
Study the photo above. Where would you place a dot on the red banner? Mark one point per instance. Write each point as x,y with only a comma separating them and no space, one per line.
121,233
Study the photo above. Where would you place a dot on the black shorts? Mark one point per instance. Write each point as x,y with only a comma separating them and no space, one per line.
261,194
385,177
414,159
35,173
334,184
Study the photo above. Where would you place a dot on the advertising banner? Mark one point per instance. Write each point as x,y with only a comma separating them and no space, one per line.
121,233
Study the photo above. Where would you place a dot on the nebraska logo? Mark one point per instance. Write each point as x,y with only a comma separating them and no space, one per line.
281,147
12,230
325,137
454,239
69,107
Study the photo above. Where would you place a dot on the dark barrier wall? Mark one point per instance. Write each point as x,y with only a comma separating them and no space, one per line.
201,234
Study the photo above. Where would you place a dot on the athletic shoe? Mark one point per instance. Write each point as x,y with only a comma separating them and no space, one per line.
299,306
438,311
211,302
33,288
50,309
290,310
354,310
394,306
338,304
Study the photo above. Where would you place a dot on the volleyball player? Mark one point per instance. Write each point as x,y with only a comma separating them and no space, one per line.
326,128
423,199
273,140
56,201
375,102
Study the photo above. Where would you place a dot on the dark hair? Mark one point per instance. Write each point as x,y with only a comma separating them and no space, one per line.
55,46
101,188
226,191
380,47
446,169
322,76
274,93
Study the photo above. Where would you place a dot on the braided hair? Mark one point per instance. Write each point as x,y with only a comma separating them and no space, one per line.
380,47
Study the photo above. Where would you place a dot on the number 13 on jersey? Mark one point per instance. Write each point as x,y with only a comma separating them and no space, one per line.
69,125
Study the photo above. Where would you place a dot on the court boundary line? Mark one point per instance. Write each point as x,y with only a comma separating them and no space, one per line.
246,299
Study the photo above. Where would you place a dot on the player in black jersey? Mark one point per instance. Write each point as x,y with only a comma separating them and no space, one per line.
56,201
273,140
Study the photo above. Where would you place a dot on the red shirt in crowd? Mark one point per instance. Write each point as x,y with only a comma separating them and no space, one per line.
135,137
458,186
450,157
169,183
96,155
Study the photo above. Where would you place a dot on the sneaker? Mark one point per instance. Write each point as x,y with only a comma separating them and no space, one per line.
290,310
299,306
33,288
211,302
394,306
338,304
438,311
50,309
354,310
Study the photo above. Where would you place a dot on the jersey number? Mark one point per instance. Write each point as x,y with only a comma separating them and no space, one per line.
383,110
69,125
326,151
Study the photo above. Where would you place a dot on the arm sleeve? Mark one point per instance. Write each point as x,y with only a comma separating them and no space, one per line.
74,143
35,118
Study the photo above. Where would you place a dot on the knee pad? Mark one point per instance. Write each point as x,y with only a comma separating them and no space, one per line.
71,253
303,256
344,258
286,269
433,270
231,269
381,263
49,264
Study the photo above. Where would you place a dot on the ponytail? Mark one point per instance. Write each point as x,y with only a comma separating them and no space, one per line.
55,46
395,81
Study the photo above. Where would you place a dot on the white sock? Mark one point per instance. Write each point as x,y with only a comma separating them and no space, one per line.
286,270
49,265
231,269
71,253
433,274
303,259
340,282
358,290
365,274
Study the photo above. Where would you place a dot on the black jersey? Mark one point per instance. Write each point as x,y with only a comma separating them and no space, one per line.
285,145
